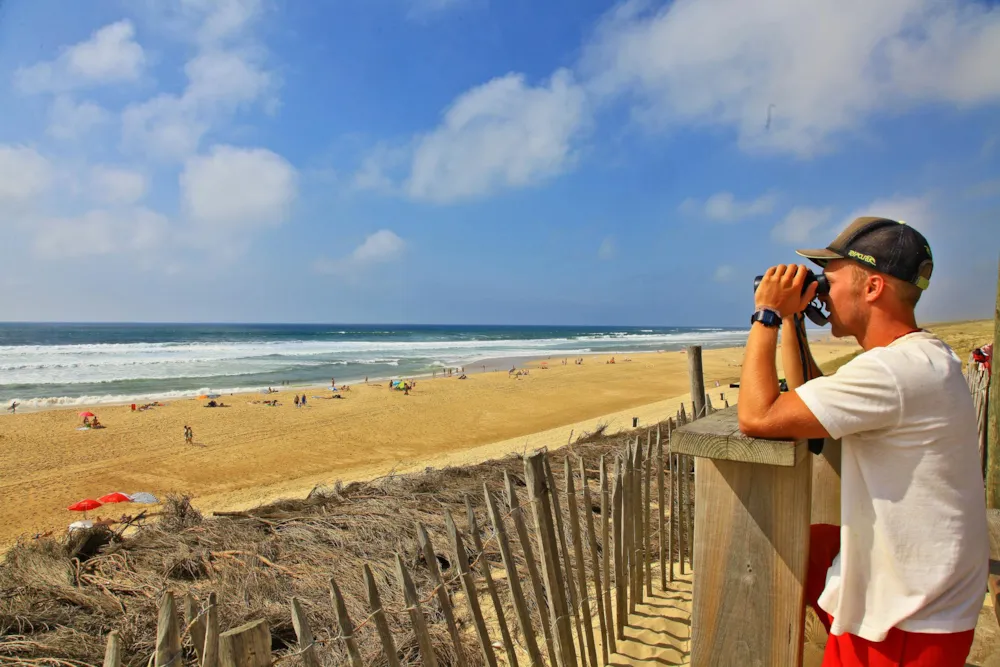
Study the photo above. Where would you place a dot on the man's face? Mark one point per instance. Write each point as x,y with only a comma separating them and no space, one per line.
848,310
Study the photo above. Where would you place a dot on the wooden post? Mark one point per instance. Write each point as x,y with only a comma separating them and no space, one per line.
113,650
581,566
569,580
639,553
304,634
689,507
517,514
646,502
672,527
471,595
195,624
588,513
168,636
660,504
621,601
477,541
211,654
344,621
541,508
607,552
416,614
246,646
826,485
628,540
513,580
430,558
750,545
384,633
993,414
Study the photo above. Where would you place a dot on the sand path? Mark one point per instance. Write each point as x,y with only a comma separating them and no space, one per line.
249,453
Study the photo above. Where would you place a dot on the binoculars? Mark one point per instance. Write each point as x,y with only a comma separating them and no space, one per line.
812,311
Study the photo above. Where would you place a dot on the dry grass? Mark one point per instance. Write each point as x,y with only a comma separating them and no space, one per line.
57,607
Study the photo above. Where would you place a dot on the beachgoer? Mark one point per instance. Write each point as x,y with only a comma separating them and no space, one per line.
303,403
296,400
187,434
906,582
13,407
333,382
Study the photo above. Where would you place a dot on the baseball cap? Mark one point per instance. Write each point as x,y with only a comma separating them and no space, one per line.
887,246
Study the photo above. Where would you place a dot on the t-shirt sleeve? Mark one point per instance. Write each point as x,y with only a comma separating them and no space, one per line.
862,395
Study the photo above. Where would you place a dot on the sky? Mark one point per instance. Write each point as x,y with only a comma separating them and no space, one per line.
482,161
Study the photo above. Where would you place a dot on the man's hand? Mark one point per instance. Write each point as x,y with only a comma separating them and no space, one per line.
781,290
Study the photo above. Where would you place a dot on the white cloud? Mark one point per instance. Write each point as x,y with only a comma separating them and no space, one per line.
238,188
377,168
24,174
100,232
71,120
800,224
789,76
724,207
724,273
608,249
378,248
503,133
225,75
915,211
110,55
114,185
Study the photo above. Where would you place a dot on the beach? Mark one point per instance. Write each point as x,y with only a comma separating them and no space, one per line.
249,453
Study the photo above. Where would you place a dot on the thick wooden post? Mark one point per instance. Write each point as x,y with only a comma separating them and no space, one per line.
569,580
621,599
300,623
246,646
344,621
581,566
416,614
697,377
993,428
113,650
607,552
381,623
210,656
168,635
751,544
588,514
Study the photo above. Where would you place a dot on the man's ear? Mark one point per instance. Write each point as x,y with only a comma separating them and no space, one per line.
875,286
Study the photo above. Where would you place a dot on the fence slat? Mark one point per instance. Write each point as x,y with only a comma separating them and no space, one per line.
635,512
344,621
541,509
211,655
477,541
647,501
660,500
607,552
581,566
620,550
430,558
588,513
246,646
168,636
472,597
513,580
569,581
416,614
113,650
195,624
517,514
381,624
300,623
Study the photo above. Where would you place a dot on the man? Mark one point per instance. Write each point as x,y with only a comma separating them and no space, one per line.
902,580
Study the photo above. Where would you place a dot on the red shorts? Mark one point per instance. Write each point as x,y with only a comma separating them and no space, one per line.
899,648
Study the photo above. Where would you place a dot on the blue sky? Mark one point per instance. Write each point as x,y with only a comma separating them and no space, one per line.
478,161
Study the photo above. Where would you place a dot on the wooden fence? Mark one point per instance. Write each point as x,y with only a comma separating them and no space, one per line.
583,575
978,376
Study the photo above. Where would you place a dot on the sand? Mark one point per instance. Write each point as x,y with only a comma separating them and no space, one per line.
249,454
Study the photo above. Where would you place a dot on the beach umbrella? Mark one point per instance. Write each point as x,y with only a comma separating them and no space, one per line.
144,498
116,497
86,414
81,525
203,396
84,506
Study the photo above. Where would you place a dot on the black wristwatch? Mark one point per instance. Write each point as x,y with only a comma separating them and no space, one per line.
767,317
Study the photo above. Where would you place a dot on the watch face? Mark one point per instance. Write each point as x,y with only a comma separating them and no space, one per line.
765,317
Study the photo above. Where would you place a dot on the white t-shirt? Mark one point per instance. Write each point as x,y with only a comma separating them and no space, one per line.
914,551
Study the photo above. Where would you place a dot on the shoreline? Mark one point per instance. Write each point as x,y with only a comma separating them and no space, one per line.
249,453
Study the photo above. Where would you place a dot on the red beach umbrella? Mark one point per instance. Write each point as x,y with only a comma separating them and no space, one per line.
87,414
84,505
116,497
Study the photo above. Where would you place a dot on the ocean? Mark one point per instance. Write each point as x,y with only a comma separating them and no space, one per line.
51,365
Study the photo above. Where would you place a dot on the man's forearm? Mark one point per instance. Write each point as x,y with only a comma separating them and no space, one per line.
759,379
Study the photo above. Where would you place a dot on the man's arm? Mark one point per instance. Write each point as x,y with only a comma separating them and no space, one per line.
791,360
763,411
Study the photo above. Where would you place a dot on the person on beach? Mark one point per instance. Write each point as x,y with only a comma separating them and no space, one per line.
303,402
296,400
13,407
188,435
901,581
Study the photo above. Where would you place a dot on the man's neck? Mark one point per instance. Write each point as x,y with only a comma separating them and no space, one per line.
883,332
